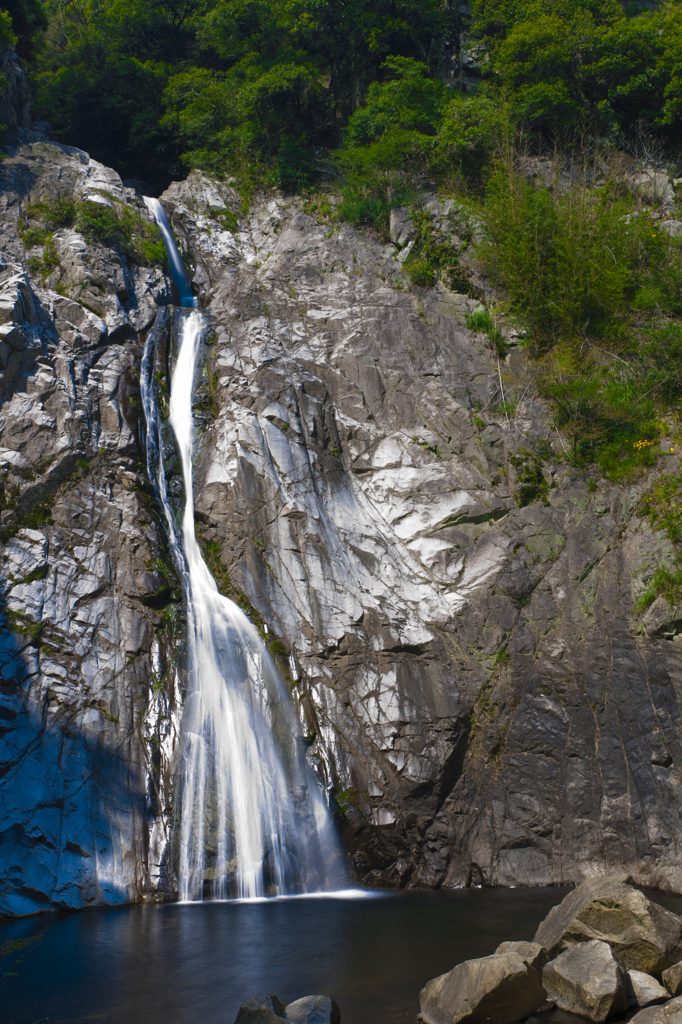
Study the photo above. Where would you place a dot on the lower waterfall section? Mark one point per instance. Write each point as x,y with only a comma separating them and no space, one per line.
253,821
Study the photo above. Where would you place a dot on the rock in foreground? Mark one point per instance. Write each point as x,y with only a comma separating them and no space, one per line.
672,979
313,1010
668,1013
643,990
497,989
271,1010
261,1011
535,955
588,979
645,936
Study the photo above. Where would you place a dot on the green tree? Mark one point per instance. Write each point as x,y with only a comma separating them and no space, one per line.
29,22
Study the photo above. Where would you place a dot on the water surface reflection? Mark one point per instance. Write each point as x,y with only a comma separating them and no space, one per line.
194,963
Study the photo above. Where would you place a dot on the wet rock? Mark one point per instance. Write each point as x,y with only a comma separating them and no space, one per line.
269,1010
645,936
672,979
668,1013
588,979
313,1010
497,989
643,990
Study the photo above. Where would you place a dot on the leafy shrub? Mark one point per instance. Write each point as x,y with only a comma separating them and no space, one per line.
98,222
366,204
665,583
482,321
531,485
50,215
420,272
662,506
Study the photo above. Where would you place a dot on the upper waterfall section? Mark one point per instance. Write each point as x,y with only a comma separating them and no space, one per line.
178,268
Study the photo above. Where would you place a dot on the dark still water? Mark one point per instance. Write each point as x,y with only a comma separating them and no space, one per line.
194,964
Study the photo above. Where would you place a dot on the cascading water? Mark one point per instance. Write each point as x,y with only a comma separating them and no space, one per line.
253,820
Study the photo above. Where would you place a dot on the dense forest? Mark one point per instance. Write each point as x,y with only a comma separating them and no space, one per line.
357,104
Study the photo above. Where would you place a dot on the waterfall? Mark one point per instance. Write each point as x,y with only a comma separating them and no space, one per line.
253,820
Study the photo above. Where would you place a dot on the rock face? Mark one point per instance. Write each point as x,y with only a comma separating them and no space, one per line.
645,936
497,989
589,980
85,726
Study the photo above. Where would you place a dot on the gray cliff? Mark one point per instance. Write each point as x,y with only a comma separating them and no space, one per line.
478,696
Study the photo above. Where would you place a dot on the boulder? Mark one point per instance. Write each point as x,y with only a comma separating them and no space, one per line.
497,989
672,979
645,936
269,1010
532,953
667,1013
587,979
313,1010
643,990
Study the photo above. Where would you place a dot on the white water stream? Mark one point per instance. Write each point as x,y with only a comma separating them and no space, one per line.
253,821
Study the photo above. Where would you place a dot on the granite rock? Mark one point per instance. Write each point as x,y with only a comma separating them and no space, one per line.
643,990
668,1013
532,953
672,979
313,1010
645,936
588,980
497,989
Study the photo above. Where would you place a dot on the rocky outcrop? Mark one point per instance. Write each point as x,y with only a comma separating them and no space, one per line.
86,696
501,988
645,936
589,980
480,695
